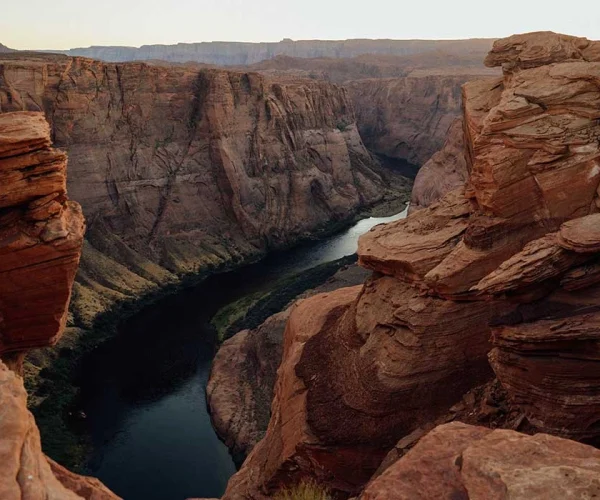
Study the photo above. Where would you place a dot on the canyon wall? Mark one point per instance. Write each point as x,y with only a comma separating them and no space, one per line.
407,118
41,234
505,266
404,104
180,169
445,171
239,53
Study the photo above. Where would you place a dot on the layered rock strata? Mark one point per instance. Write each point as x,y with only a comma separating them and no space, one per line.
445,171
41,234
242,378
363,367
408,118
181,169
474,463
238,53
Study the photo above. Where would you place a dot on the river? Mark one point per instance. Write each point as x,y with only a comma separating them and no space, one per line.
144,391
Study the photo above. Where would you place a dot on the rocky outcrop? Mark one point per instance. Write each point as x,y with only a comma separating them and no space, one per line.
25,473
364,367
41,233
404,104
474,463
242,379
240,388
238,53
181,169
445,171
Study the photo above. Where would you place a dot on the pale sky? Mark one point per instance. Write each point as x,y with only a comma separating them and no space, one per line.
63,24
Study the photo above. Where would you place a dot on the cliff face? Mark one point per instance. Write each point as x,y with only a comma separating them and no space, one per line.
407,117
511,257
179,169
243,373
445,171
462,461
404,104
41,234
236,53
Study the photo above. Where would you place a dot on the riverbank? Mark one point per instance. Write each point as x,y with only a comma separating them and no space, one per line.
52,376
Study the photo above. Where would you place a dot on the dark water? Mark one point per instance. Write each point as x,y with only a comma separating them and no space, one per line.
144,391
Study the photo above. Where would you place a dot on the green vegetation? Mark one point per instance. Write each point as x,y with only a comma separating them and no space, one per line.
342,126
251,311
306,490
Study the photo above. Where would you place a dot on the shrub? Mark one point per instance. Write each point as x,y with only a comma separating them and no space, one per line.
306,490
342,126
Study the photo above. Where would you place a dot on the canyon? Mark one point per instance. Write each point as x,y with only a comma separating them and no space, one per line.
503,269
460,361
180,170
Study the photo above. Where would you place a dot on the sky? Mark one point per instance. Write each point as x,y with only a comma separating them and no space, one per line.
63,24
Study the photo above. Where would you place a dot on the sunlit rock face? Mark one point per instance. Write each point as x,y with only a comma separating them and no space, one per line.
41,233
511,258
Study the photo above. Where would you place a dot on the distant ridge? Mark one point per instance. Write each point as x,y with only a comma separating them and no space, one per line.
242,53
4,48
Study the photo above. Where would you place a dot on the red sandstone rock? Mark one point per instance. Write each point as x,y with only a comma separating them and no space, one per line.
539,261
191,167
537,49
581,235
40,235
472,463
240,388
401,351
409,249
25,473
445,171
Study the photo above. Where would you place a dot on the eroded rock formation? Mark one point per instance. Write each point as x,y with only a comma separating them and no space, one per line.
445,171
180,169
242,379
41,234
408,118
511,256
474,463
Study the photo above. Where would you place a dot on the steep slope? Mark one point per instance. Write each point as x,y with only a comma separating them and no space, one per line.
181,169
510,258
237,53
41,233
